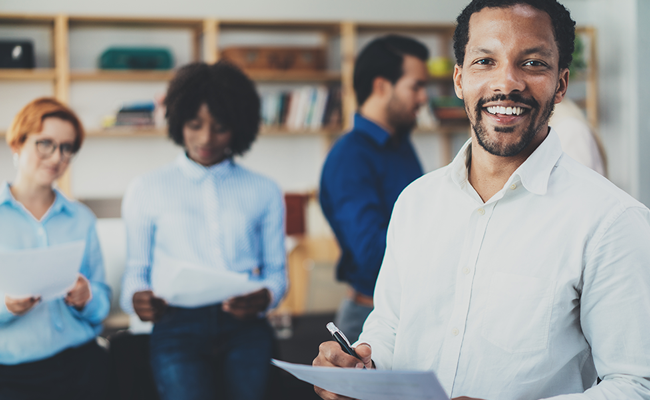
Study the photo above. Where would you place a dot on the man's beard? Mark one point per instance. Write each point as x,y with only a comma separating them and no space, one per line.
536,123
399,117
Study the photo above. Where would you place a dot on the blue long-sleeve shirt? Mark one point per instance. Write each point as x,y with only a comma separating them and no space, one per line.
362,177
222,216
53,326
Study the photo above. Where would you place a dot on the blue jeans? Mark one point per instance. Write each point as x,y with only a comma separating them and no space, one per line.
350,318
205,353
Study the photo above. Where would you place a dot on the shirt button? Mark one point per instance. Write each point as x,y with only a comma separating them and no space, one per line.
481,211
465,271
513,186
455,332
41,231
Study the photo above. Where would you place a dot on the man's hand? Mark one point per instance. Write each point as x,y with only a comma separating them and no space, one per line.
148,307
331,355
80,294
248,306
20,306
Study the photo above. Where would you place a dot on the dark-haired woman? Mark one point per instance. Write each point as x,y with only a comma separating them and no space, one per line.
207,210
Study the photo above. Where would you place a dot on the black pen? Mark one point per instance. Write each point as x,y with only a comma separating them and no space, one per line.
342,340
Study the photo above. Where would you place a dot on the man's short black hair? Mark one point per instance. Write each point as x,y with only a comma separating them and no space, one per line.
563,25
230,96
384,57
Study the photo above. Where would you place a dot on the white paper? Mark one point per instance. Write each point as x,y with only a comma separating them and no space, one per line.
185,284
369,384
49,272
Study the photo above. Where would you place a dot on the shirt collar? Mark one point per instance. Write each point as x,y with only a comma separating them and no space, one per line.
197,172
371,129
534,173
61,203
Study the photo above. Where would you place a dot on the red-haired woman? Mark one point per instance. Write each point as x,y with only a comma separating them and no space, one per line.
48,348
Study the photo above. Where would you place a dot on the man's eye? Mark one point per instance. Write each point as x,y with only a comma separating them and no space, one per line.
483,61
534,63
194,125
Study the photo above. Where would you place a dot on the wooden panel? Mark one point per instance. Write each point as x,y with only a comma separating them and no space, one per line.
210,41
118,75
61,59
308,250
62,82
27,19
294,76
348,51
122,21
38,74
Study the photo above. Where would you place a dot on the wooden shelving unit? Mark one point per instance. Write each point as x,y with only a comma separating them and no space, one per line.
205,34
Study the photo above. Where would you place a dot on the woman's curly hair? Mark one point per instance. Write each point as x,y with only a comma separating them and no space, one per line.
229,94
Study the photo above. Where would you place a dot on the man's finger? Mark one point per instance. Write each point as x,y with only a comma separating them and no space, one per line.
326,395
330,354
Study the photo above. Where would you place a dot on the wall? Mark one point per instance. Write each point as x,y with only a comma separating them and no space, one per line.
643,100
622,88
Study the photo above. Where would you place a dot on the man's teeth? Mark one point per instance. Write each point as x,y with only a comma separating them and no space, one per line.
506,110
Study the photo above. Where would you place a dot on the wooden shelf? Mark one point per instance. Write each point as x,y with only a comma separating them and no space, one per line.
294,76
117,75
128,131
37,74
130,75
27,19
275,131
81,20
133,131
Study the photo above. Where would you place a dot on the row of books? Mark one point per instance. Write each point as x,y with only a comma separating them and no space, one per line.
307,108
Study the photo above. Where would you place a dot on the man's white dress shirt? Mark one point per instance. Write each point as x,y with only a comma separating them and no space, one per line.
529,295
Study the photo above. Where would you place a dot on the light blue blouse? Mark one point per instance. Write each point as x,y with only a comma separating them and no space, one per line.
223,216
53,326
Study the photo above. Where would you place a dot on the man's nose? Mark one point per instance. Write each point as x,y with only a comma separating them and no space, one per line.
507,78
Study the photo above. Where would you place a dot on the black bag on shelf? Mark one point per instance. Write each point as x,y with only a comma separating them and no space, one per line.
16,54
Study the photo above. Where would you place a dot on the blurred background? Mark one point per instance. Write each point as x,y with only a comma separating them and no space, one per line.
111,62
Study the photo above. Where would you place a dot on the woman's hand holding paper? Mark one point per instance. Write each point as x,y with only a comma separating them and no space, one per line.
248,306
80,294
147,306
20,306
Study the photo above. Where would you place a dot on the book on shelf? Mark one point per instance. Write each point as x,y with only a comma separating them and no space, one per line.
309,108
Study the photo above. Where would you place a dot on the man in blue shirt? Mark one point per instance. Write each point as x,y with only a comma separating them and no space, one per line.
368,167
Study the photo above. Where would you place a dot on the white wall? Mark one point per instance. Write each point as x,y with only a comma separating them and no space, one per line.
623,91
643,99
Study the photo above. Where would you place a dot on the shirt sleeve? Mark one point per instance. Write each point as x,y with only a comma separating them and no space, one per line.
356,212
92,268
139,241
5,316
615,309
380,328
273,271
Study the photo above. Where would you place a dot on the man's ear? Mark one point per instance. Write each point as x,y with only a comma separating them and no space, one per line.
381,86
458,81
562,85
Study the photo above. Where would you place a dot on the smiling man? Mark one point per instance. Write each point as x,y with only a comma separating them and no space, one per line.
515,272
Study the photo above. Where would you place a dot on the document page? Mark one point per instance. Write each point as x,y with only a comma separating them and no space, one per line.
49,272
184,284
369,384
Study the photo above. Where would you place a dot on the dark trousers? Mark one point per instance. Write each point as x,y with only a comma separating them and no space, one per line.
77,373
204,353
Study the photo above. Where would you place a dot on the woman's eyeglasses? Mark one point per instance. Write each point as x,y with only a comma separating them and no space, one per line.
47,147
